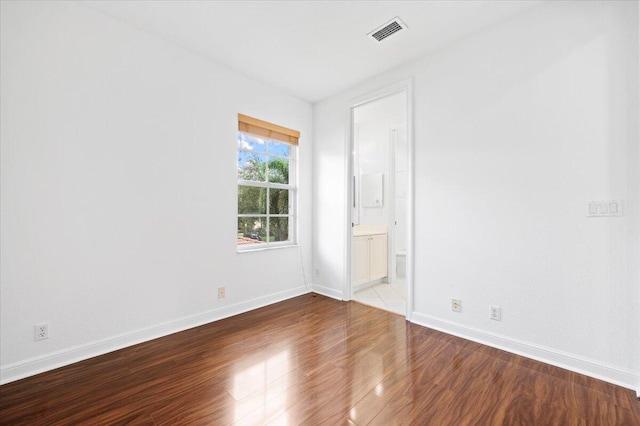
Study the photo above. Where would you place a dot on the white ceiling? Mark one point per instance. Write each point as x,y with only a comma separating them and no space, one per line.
310,49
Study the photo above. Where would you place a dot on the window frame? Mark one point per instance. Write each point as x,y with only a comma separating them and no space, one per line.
292,188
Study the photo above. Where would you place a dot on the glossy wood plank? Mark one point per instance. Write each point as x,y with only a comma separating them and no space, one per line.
316,361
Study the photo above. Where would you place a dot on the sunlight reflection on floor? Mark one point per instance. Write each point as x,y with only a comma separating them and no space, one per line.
261,390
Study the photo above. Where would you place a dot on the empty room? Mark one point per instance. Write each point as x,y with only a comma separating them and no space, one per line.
320,212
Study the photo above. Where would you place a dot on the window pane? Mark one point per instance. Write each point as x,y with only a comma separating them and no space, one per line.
278,201
279,148
279,170
252,230
252,200
251,143
279,229
265,163
251,166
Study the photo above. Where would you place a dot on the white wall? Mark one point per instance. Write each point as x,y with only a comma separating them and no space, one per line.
515,127
118,195
372,145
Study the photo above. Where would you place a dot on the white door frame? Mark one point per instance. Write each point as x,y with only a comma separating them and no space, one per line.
402,86
392,223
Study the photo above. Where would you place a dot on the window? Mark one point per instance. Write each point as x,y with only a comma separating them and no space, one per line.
266,184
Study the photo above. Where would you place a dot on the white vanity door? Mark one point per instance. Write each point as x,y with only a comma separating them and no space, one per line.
378,256
360,260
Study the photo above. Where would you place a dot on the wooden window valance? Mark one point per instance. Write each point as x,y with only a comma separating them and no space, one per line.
266,130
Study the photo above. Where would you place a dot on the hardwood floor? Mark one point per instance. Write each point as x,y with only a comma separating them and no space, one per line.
313,360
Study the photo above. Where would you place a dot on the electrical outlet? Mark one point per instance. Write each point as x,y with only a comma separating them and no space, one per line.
495,313
221,292
456,305
41,331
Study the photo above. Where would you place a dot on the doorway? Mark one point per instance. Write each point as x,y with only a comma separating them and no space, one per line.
379,239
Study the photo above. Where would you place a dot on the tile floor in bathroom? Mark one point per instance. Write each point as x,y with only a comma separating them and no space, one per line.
390,297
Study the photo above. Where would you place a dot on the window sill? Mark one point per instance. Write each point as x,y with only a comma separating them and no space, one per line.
268,248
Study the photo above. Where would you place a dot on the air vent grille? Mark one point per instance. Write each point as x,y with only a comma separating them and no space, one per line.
387,29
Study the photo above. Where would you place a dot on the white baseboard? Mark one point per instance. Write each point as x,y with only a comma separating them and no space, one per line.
40,364
618,376
326,291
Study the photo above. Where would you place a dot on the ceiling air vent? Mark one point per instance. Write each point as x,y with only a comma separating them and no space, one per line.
387,29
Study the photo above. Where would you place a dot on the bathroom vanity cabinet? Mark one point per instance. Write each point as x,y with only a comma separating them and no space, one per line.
370,257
